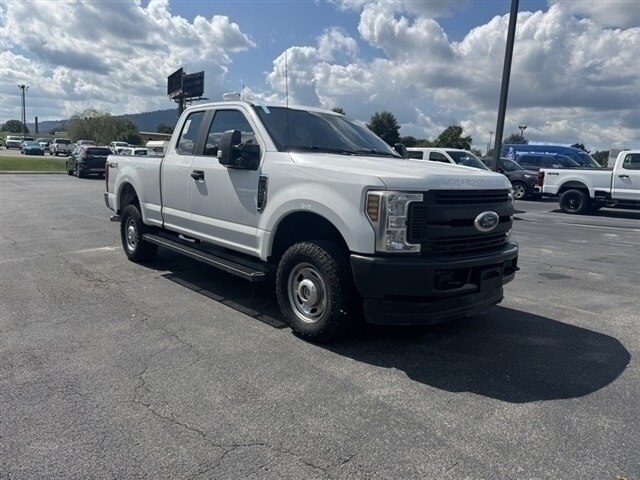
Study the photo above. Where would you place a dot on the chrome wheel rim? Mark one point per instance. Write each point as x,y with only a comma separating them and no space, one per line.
518,192
130,235
307,293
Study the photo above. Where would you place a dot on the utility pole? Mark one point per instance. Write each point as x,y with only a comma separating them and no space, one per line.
504,89
23,89
489,144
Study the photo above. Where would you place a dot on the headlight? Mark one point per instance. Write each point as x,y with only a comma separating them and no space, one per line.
387,212
528,176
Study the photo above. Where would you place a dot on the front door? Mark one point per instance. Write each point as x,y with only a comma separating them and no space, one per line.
626,180
223,200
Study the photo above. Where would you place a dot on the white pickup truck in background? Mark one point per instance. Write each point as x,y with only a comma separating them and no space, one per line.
314,199
61,146
584,190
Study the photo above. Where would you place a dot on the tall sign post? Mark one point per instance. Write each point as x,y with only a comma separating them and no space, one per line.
504,89
183,87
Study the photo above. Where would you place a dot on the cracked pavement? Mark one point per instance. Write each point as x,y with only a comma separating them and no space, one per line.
110,369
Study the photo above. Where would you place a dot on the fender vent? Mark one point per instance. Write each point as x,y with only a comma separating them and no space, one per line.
263,182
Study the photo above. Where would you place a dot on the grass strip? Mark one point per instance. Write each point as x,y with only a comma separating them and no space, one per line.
22,164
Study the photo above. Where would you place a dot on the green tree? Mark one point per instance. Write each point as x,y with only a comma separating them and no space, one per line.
452,137
409,141
126,131
385,125
91,124
338,110
580,146
164,128
602,157
13,126
516,138
423,142
476,152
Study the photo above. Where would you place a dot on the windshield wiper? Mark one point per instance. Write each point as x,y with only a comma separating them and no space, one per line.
317,148
374,152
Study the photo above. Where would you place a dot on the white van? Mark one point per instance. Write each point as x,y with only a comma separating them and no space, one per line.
157,147
456,156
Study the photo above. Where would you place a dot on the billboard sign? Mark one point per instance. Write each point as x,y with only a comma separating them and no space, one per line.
193,85
174,82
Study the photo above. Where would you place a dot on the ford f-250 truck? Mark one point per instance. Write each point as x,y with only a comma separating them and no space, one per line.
315,199
585,190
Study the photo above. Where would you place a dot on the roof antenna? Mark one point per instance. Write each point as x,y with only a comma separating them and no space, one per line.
286,92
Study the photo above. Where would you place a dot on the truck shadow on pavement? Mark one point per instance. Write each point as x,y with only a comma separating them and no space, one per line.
506,354
605,212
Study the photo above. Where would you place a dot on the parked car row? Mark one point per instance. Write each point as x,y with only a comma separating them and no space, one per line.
87,160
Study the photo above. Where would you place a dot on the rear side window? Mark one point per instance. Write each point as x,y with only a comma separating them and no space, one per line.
631,162
189,133
417,155
63,141
529,161
438,157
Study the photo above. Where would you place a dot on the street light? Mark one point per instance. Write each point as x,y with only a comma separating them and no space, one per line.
23,89
522,129
489,144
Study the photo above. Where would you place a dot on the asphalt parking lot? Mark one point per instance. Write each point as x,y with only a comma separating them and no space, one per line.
110,369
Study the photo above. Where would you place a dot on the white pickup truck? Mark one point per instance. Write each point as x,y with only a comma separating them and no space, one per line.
584,190
314,199
61,146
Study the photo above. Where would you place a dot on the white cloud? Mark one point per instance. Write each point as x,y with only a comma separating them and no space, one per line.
610,13
573,79
119,63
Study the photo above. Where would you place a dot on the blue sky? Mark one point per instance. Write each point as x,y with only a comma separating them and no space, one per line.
431,63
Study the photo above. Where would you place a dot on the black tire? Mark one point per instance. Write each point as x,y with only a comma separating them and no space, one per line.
315,290
69,170
131,230
574,201
520,190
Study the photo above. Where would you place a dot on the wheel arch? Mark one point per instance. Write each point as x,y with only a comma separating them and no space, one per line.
126,195
573,185
303,226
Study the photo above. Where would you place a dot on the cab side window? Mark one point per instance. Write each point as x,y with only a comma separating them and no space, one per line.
189,133
631,162
417,155
529,161
438,157
224,120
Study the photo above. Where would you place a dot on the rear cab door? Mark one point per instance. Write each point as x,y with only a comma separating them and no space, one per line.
175,174
626,177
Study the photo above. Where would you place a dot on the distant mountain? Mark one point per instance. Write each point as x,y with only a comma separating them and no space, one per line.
146,122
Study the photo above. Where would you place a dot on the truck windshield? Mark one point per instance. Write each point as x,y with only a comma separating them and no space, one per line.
467,159
321,132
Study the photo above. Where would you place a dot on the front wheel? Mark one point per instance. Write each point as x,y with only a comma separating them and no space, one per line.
131,230
574,201
315,290
520,190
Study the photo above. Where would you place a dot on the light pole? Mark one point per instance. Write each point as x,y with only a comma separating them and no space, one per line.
23,89
489,144
522,129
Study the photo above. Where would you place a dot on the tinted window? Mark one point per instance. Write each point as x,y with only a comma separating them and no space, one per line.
98,151
467,159
417,155
510,165
223,121
189,133
529,161
438,157
631,162
63,141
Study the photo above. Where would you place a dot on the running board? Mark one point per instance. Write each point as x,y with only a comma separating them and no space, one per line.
228,264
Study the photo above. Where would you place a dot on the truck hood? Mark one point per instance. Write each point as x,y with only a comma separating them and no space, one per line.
404,173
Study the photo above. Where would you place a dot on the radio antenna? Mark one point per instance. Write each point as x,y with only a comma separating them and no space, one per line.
286,92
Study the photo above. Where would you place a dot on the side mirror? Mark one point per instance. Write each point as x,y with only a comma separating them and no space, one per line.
233,154
401,149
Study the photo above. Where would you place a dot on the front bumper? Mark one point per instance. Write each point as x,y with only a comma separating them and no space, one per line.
419,290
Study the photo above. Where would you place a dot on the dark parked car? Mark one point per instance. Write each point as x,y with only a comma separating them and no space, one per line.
522,180
30,147
538,161
87,160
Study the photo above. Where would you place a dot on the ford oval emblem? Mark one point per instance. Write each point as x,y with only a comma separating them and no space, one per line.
486,221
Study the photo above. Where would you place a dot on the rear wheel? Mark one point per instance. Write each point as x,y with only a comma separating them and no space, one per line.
315,290
520,190
131,230
574,201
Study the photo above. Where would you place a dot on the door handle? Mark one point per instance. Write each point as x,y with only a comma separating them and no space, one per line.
623,176
197,175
